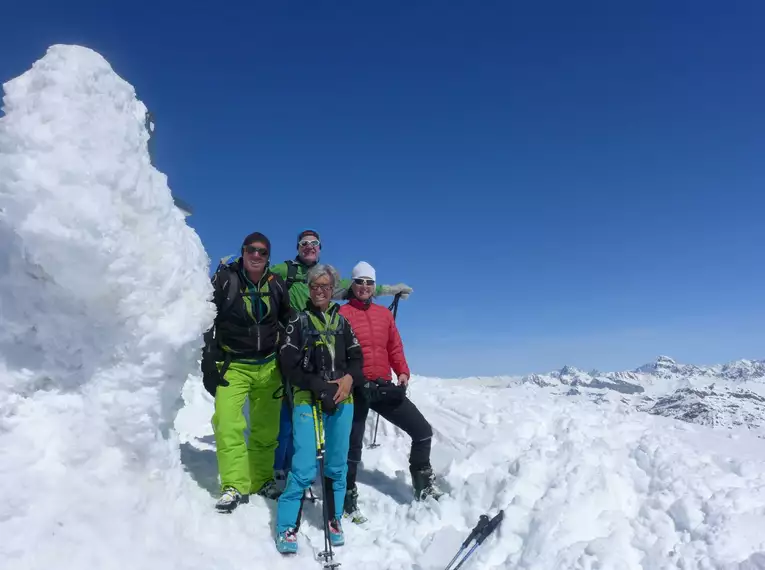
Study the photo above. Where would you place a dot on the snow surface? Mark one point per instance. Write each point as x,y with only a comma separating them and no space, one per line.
103,298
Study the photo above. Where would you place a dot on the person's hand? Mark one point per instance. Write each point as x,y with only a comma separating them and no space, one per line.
393,290
403,379
211,376
344,386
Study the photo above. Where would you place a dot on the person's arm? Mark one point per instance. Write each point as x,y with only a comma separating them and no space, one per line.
353,355
211,378
285,312
341,291
354,360
280,269
396,351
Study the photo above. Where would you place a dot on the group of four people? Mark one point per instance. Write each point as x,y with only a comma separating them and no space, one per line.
311,370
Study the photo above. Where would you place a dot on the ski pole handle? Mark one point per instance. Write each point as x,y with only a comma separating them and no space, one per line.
489,528
478,528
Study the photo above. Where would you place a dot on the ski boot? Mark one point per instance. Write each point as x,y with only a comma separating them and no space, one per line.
351,506
230,499
270,490
336,535
286,542
424,483
280,477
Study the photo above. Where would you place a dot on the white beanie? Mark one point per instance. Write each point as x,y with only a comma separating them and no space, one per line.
363,269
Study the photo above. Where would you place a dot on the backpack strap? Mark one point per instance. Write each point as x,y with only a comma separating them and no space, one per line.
292,270
231,284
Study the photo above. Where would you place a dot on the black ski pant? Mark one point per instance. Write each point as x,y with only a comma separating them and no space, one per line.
404,415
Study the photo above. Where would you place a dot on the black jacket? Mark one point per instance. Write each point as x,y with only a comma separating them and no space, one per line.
308,364
251,318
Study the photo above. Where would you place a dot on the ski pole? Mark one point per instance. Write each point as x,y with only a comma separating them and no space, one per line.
394,309
482,522
318,422
483,535
374,439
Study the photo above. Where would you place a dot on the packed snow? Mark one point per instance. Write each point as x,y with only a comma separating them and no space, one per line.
106,454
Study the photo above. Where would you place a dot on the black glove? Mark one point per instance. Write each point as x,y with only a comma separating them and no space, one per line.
211,376
327,399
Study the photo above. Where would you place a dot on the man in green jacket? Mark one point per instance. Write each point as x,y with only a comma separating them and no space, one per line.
294,271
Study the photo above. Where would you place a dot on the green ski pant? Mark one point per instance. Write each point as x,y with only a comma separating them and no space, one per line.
247,466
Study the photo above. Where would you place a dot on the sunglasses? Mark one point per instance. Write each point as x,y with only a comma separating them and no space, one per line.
315,287
305,242
253,249
369,282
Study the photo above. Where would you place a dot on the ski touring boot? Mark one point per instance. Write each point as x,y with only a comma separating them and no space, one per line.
424,483
230,499
336,535
286,541
280,477
351,506
270,490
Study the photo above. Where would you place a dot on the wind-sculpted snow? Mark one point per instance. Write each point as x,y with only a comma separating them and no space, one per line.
103,297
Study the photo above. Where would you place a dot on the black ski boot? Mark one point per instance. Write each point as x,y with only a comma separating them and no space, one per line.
424,483
351,506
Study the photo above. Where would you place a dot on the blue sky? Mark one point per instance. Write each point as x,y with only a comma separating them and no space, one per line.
561,183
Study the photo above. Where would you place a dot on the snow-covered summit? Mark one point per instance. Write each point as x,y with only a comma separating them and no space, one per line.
103,299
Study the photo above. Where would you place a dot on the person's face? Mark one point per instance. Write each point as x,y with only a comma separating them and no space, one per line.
320,290
363,288
309,248
255,256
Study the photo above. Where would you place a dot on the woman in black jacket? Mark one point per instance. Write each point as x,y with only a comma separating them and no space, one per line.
322,361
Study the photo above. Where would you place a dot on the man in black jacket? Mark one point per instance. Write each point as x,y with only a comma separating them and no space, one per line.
239,362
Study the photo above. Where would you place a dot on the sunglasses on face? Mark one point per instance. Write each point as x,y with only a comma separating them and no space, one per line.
307,242
251,249
315,287
369,282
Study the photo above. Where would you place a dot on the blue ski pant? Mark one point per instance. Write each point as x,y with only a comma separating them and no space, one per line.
337,430
284,449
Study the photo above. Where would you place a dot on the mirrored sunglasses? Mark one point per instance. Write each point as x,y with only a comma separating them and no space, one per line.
306,242
251,249
360,281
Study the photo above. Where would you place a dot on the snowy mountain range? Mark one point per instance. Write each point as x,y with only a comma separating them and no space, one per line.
725,395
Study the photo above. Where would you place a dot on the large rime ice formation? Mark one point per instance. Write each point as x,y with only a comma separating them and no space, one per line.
103,297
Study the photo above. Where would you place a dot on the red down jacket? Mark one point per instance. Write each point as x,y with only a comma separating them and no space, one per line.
379,338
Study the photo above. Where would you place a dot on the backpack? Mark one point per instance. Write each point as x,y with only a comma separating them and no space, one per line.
292,269
234,285
312,338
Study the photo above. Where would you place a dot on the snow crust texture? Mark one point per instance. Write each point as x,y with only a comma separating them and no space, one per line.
584,485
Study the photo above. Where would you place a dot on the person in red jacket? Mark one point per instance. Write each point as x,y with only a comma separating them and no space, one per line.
383,350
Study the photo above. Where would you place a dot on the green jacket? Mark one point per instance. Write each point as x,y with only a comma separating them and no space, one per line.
320,346
299,288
